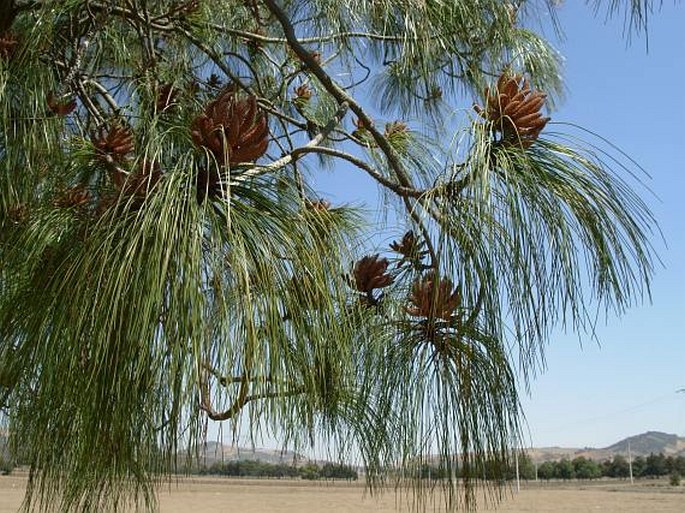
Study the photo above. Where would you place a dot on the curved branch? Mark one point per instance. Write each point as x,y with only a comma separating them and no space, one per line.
241,400
396,188
337,92
287,159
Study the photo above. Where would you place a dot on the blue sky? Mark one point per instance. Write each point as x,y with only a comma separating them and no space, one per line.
596,393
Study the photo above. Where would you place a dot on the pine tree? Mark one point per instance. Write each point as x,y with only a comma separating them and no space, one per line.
165,261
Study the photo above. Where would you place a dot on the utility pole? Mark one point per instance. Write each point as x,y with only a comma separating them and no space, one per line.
518,480
630,463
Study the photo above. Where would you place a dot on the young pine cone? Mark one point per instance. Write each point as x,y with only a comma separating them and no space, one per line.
409,247
140,182
232,130
303,92
73,197
433,300
60,107
320,205
115,142
8,44
514,110
369,273
167,98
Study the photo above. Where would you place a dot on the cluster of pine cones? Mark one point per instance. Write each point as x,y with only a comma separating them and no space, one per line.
231,129
430,297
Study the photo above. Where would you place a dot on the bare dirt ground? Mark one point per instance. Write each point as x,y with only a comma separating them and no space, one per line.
205,495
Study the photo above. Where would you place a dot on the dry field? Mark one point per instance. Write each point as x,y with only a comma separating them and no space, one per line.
215,495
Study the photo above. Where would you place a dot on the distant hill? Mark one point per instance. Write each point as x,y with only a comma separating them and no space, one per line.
651,442
640,445
213,452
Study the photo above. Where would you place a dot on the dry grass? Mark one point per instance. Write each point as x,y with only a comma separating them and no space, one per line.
194,495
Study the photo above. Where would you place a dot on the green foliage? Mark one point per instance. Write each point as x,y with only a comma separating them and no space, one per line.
259,469
310,472
547,470
166,261
674,479
564,469
655,465
6,466
584,468
526,467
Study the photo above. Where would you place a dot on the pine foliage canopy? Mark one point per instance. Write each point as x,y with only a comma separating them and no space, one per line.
165,261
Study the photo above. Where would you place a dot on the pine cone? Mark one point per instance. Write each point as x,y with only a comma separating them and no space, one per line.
18,213
60,107
139,183
303,92
362,132
409,247
208,183
369,273
73,197
189,7
115,142
232,130
397,133
214,81
8,44
514,110
428,302
320,205
166,98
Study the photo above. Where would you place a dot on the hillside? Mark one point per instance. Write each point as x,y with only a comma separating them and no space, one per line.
651,442
640,445
213,452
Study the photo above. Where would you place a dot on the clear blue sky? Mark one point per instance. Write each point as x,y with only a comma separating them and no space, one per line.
595,395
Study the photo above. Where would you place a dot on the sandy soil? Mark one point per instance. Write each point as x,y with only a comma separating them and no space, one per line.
251,496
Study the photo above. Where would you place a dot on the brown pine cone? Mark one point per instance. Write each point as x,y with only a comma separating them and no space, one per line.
18,213
233,130
115,142
8,44
426,301
320,205
73,197
514,109
208,183
166,98
411,248
369,273
303,92
60,107
139,183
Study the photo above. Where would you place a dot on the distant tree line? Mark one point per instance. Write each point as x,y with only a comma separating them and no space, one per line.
254,468
6,465
654,465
